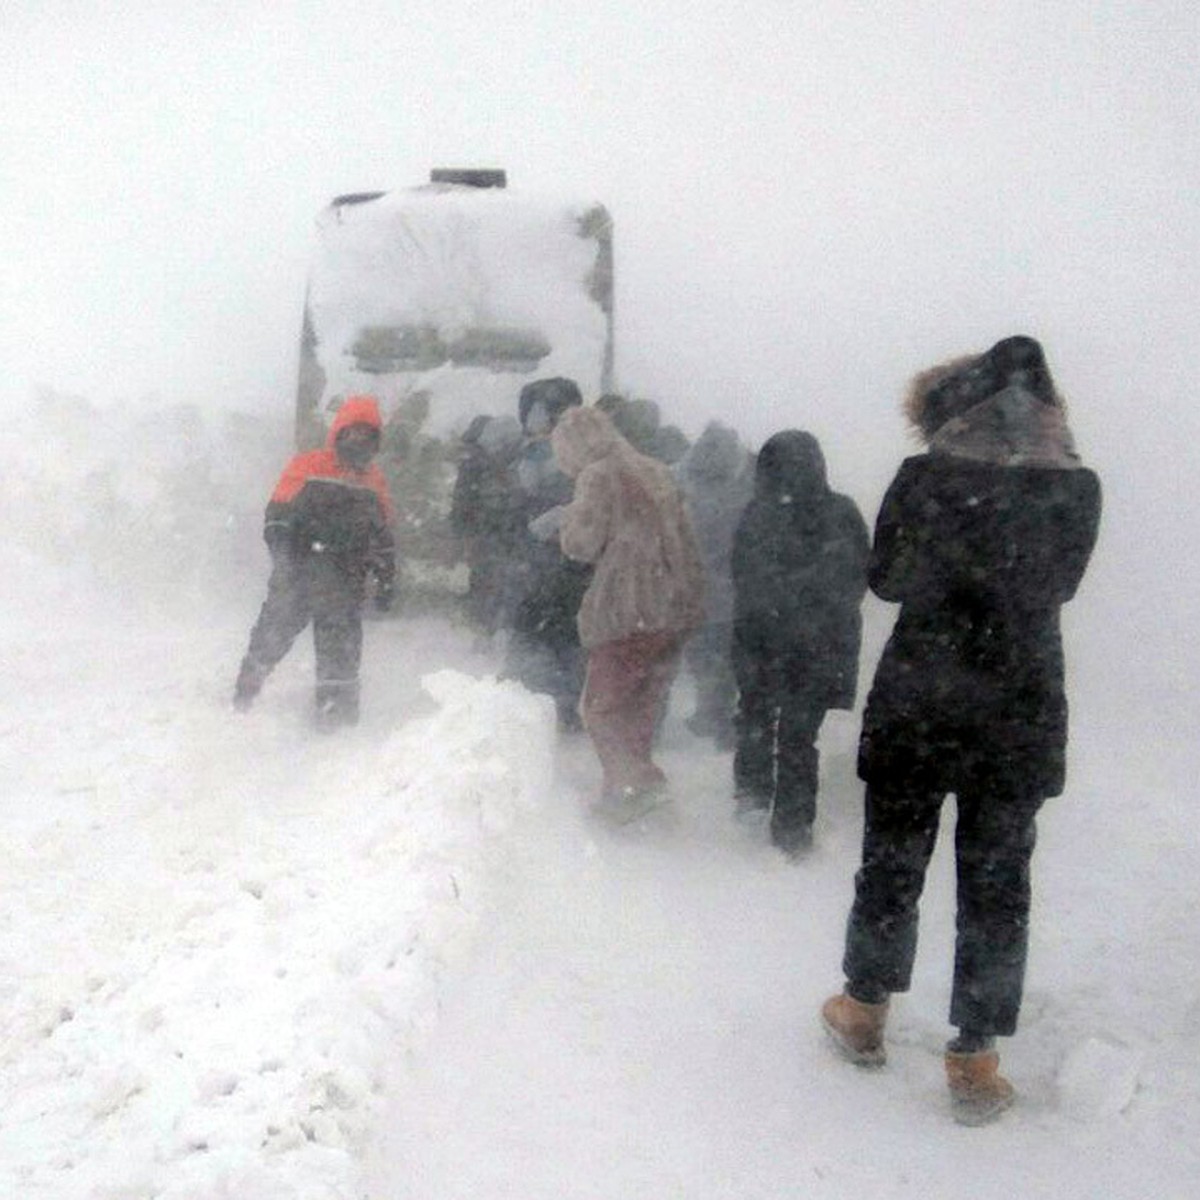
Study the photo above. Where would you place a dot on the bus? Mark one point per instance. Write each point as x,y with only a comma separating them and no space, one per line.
443,301
457,292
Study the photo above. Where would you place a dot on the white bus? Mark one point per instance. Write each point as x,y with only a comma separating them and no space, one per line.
459,289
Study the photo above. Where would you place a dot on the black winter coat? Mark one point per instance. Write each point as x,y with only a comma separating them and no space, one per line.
969,692
799,572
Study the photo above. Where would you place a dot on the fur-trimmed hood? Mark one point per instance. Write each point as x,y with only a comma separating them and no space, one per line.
583,436
1000,406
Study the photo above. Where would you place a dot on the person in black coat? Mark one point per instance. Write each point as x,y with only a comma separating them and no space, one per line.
980,540
717,479
799,577
545,587
487,512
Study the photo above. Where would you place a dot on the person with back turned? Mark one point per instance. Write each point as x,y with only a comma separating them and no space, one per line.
980,540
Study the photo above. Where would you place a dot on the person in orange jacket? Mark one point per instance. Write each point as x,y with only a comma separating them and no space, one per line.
328,526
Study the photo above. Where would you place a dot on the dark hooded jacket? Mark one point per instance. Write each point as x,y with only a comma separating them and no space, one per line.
980,541
325,506
546,586
486,503
717,477
799,570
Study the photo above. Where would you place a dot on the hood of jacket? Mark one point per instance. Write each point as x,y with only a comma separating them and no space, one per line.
717,454
354,410
790,469
583,436
952,388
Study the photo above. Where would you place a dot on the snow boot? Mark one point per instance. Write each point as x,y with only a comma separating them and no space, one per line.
626,805
978,1092
337,705
856,1029
794,840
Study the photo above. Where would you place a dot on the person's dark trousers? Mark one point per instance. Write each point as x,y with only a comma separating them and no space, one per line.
336,597
994,842
323,592
285,612
554,667
797,763
754,722
776,761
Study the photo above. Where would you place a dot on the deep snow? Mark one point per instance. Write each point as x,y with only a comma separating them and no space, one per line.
240,961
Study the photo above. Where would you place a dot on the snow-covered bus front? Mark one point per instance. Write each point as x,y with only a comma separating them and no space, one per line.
459,291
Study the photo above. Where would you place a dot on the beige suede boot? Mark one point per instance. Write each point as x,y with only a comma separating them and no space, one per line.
856,1029
978,1092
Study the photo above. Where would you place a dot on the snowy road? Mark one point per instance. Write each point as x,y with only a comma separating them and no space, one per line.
404,965
640,1021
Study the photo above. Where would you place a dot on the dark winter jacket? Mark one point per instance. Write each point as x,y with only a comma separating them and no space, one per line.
980,541
486,504
799,570
547,586
717,477
323,506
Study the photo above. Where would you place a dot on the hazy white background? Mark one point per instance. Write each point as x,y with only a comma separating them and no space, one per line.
811,202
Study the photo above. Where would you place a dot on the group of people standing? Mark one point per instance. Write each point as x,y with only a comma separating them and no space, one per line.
604,563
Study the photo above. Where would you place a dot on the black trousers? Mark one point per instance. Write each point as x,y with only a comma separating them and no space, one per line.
775,760
994,840
323,591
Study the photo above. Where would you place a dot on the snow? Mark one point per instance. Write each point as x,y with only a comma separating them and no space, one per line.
239,960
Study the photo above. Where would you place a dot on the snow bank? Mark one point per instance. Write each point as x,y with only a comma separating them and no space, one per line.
213,925
197,997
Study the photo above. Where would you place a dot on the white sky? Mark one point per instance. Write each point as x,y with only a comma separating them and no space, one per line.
811,202
804,200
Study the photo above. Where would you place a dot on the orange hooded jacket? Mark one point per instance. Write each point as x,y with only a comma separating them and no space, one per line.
322,502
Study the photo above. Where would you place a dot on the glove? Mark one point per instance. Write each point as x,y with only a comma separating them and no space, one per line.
385,595
546,527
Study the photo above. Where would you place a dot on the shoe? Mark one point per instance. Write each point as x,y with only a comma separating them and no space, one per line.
856,1029
978,1092
794,840
332,714
623,806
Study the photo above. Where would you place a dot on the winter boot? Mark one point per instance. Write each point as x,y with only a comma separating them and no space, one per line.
856,1029
794,839
627,805
978,1092
337,705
